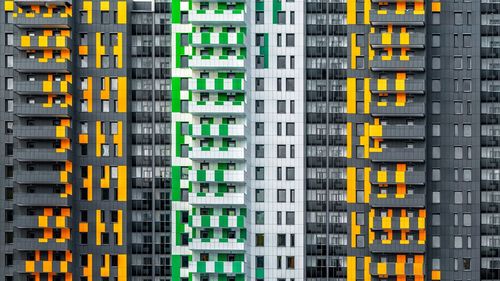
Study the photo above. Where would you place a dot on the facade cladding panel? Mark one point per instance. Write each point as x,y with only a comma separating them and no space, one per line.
249,140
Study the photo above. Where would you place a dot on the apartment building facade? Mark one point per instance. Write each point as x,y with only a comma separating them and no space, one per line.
249,140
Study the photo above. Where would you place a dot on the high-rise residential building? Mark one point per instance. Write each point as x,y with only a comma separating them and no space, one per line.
235,140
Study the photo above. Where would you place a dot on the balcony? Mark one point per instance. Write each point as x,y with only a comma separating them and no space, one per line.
398,63
393,269
42,266
42,87
220,198
219,39
389,17
217,153
221,267
42,177
490,64
42,110
218,221
393,86
400,155
217,176
398,223
219,131
395,177
383,109
42,65
398,246
41,244
217,85
217,244
42,200
397,40
41,155
33,20
215,108
217,17
414,132
217,62
26,42
41,132
397,200
41,221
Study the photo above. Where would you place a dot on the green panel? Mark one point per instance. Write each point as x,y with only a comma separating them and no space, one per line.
219,84
240,221
243,212
205,221
176,11
219,175
205,130
201,84
176,267
223,130
276,9
179,227
237,84
176,94
240,38
223,38
179,138
223,221
219,267
237,266
201,267
176,183
264,50
259,5
205,38
259,273
201,175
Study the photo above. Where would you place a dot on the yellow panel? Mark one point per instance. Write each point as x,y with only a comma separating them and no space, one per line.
382,84
367,8
60,222
122,264
87,6
376,130
351,11
351,268
436,6
436,275
381,268
349,140
382,176
47,266
400,176
60,132
404,38
25,41
351,185
29,266
43,221
351,95
421,223
9,5
367,274
367,184
386,223
47,86
367,95
122,12
404,223
43,41
104,6
400,85
386,38
60,41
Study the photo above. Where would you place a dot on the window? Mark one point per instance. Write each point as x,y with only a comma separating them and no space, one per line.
436,130
9,39
467,175
259,106
281,195
259,239
436,40
105,61
290,173
459,152
467,219
436,197
290,262
459,18
84,62
290,218
281,62
259,151
259,39
290,129
281,151
281,17
281,106
9,105
436,107
259,84
436,63
458,242
458,197
466,264
259,217
259,261
436,174
436,152
9,61
281,240
290,40
259,173
290,84
467,130
259,17
436,242
436,219
259,195
259,62
9,83
259,128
